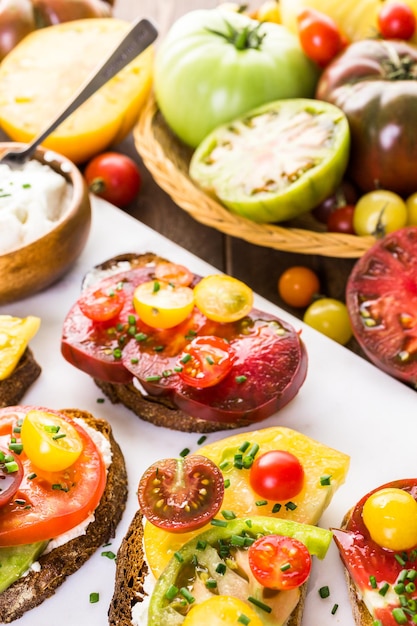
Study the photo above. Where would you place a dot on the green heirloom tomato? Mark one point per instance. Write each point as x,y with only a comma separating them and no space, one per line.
276,161
214,65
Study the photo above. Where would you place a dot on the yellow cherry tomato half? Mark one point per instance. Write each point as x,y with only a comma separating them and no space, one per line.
49,441
163,305
331,318
297,285
223,298
220,610
390,515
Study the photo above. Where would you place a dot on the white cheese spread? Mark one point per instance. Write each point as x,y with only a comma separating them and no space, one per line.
33,199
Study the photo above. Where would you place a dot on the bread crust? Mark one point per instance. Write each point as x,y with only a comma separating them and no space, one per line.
31,590
13,388
132,569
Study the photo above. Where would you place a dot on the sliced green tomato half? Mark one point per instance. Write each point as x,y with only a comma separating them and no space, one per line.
277,161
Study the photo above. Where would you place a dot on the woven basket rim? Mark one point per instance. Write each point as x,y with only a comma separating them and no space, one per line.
209,212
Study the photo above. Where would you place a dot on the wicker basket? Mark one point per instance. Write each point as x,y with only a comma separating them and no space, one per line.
167,159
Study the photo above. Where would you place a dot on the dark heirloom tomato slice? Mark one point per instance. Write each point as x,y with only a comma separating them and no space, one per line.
180,495
381,296
279,562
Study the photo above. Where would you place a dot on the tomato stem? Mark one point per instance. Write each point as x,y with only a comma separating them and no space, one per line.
242,39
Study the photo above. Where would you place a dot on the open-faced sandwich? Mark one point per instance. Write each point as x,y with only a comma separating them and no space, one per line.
180,351
378,546
18,366
64,488
229,534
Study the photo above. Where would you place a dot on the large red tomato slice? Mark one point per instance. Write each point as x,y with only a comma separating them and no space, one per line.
48,504
381,296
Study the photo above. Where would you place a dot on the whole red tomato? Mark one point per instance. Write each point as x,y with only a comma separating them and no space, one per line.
375,83
319,36
114,177
341,220
396,20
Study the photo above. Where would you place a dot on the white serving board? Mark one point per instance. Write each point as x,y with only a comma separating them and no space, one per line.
345,403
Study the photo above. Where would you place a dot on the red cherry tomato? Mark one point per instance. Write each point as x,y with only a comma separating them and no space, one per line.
319,36
11,475
297,286
341,220
102,305
181,495
174,274
279,562
396,20
346,193
205,361
277,475
114,177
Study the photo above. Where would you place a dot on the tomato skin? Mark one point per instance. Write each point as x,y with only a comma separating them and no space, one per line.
396,20
277,475
319,35
180,495
379,212
382,305
114,177
330,317
202,80
381,110
341,220
269,558
205,361
297,286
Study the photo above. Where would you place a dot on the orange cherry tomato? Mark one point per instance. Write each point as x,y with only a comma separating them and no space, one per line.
298,285
173,273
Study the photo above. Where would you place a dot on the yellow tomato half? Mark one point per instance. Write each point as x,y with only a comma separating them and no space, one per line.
390,515
50,442
223,298
317,459
43,72
222,611
163,305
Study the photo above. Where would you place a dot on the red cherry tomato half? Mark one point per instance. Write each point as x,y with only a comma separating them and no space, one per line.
279,562
102,305
174,274
341,220
181,495
205,361
319,36
396,20
11,475
277,475
114,177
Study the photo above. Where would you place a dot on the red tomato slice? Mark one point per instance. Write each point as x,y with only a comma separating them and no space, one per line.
277,475
180,495
48,504
279,562
11,475
102,305
381,297
205,361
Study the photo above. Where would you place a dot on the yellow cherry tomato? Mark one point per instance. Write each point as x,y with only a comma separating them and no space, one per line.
163,305
297,286
49,441
222,611
411,204
223,298
331,318
379,212
390,515
269,11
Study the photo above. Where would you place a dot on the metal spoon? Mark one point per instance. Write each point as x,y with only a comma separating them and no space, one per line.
139,37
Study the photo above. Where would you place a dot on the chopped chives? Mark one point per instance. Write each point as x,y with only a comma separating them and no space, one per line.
243,619
261,502
245,445
220,568
178,556
202,440
334,609
94,597
218,522
290,506
383,589
108,554
228,514
226,483
185,452
187,595
325,480
171,592
276,508
240,379
259,604
285,567
211,583
324,592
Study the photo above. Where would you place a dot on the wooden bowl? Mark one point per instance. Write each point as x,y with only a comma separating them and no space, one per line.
33,267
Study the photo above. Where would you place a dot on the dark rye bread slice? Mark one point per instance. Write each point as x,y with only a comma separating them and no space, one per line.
31,590
131,571
13,388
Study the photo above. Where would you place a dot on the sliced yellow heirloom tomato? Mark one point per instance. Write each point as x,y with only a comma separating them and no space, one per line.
222,611
15,334
223,298
163,305
317,459
45,70
51,443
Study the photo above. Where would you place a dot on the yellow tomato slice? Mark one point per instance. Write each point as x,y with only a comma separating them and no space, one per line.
221,611
51,443
163,305
15,334
223,298
45,70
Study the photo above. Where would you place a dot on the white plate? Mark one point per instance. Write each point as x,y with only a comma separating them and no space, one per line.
345,403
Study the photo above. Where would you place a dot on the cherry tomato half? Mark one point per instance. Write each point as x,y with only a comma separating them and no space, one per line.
102,305
206,360
11,475
277,475
390,515
114,177
223,298
162,305
180,495
173,273
319,36
331,318
396,20
297,286
279,562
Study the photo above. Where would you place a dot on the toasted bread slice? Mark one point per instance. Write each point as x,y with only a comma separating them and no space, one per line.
13,388
131,572
31,590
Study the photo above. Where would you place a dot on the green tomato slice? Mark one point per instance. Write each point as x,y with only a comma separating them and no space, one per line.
275,162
